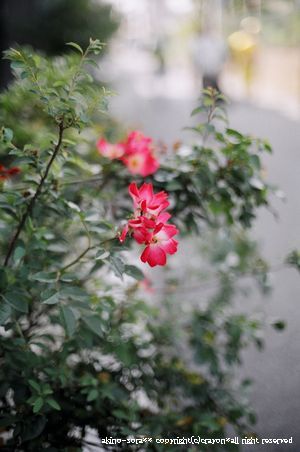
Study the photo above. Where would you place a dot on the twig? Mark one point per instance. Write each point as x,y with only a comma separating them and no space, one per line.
19,329
78,258
36,195
82,181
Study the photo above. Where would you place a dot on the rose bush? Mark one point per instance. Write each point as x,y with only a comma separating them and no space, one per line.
84,349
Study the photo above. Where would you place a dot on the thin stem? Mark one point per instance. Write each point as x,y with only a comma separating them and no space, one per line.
36,195
19,329
81,255
78,71
82,181
77,259
210,115
33,75
66,267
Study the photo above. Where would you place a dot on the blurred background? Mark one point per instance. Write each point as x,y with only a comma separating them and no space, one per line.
160,54
250,49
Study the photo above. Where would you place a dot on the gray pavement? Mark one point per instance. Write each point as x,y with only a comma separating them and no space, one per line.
276,370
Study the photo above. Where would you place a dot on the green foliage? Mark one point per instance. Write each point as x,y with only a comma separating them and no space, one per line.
222,174
79,349
294,259
65,89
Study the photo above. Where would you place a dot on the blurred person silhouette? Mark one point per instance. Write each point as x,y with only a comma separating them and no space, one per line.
209,54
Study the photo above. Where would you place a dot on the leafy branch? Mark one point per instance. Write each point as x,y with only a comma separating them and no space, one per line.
35,196
84,252
81,255
64,114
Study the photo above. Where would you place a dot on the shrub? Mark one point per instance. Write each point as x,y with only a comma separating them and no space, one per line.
83,345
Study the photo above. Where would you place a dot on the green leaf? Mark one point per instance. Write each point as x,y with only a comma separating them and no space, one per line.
24,74
120,414
18,254
252,418
92,395
76,46
53,404
234,133
5,311
117,266
293,259
68,277
68,319
174,185
33,429
38,404
16,298
92,63
53,299
256,183
279,325
73,206
7,135
105,226
267,146
94,324
134,272
34,385
75,293
255,161
47,390
102,254
46,277
197,110
17,65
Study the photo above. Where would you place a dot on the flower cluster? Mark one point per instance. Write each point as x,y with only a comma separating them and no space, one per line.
149,225
136,152
6,173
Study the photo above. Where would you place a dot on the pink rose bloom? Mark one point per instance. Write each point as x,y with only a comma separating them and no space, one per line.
137,142
137,153
142,163
160,243
146,201
139,157
109,150
149,225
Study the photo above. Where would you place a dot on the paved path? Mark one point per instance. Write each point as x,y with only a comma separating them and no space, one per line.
276,370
